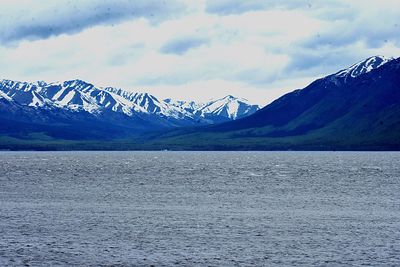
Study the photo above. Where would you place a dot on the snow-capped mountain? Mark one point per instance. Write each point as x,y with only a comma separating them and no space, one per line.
147,103
227,108
217,110
189,106
77,95
363,66
79,100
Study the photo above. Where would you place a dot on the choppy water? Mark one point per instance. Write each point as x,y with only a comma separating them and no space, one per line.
199,208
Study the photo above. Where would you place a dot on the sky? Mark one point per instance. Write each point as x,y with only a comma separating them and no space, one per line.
193,49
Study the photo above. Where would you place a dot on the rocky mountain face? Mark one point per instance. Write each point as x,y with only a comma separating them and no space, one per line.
79,104
218,110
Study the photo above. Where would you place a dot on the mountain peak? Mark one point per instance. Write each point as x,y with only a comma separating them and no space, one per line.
78,84
229,97
363,66
230,107
40,83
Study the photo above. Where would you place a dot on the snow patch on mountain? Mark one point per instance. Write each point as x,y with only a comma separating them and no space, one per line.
229,106
189,106
147,103
78,95
363,66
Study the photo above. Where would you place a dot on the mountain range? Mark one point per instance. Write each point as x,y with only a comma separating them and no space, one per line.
78,110
357,108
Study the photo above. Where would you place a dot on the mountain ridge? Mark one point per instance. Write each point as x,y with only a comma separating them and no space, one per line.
334,112
329,82
79,101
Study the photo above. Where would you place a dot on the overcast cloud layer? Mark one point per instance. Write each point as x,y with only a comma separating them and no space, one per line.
194,49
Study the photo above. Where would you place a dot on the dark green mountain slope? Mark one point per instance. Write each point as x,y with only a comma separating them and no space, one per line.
335,112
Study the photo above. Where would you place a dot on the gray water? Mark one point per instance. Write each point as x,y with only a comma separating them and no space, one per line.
199,208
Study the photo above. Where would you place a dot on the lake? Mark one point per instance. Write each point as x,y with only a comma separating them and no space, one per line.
199,208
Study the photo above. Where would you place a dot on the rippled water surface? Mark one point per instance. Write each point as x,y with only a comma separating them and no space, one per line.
199,208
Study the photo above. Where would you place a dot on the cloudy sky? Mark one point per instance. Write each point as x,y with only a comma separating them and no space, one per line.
194,49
